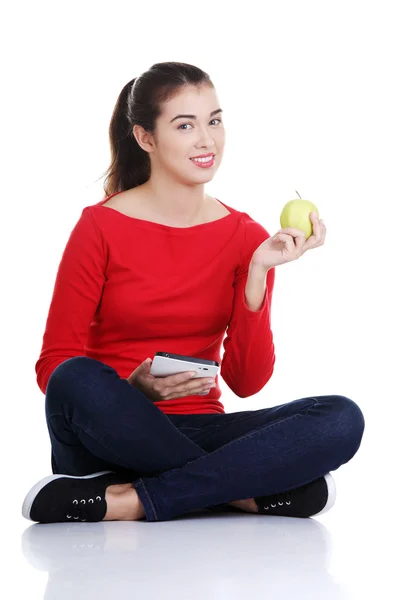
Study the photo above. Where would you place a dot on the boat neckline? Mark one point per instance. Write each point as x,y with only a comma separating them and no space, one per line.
151,224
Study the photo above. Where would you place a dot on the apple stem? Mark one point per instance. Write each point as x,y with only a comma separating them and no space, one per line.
298,194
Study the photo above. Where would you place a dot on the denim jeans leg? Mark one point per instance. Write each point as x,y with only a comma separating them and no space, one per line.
98,421
276,457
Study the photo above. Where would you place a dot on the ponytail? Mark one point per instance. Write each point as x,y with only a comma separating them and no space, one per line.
130,164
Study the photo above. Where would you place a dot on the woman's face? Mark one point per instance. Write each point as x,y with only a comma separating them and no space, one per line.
177,140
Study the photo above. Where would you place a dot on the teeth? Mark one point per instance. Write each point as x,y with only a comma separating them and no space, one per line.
208,159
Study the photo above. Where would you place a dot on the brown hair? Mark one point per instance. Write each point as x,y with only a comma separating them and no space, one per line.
140,103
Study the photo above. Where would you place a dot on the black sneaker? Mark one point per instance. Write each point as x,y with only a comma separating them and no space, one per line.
311,499
70,499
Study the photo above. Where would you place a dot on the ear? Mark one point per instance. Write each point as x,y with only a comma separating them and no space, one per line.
144,138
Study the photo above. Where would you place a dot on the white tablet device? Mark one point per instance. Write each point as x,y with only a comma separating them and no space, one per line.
165,364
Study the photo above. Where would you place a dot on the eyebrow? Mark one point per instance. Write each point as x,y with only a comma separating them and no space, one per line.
214,112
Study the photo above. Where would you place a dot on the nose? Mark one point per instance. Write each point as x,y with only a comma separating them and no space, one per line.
206,140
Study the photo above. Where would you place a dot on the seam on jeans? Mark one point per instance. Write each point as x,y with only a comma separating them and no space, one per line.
216,424
250,434
307,407
195,428
130,467
149,499
55,415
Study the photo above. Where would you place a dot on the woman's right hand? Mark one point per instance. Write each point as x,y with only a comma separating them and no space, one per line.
288,244
167,388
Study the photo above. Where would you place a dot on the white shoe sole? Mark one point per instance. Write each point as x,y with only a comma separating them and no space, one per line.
33,492
330,482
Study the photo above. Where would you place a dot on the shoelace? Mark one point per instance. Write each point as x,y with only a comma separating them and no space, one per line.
279,499
82,508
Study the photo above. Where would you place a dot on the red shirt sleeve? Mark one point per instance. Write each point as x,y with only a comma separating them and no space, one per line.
249,357
77,291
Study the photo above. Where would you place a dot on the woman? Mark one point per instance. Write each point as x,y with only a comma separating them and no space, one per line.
158,265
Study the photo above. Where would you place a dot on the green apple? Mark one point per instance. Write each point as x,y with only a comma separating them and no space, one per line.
296,213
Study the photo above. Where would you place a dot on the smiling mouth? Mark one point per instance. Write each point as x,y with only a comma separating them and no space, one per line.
203,161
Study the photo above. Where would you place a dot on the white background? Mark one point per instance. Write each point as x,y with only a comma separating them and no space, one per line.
310,93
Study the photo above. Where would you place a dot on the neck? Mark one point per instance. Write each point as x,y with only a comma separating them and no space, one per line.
176,202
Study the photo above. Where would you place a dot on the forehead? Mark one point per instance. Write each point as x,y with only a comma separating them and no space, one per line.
196,100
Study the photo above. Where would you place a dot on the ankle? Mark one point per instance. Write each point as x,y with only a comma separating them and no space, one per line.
123,503
248,505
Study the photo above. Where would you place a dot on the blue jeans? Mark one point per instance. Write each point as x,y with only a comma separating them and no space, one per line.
181,463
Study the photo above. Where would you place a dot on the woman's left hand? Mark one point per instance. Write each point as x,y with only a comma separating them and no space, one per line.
288,244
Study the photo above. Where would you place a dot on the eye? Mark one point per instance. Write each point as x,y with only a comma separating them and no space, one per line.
189,123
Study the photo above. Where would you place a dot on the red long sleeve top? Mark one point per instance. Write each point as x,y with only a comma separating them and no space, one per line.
127,288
